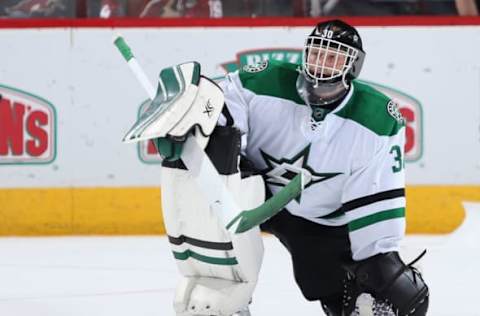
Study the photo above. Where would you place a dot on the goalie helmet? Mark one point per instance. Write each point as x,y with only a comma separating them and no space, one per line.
332,57
333,52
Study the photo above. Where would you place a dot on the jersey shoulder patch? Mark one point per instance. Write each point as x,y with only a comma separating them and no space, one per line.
373,110
261,66
272,78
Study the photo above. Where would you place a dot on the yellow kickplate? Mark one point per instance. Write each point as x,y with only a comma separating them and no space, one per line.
137,211
437,209
80,211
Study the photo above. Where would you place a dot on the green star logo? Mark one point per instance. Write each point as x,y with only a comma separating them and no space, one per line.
280,172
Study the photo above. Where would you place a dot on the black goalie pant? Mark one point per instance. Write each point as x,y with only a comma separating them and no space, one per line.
317,252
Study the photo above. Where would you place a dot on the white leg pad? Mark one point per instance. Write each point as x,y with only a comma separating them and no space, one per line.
217,280
209,296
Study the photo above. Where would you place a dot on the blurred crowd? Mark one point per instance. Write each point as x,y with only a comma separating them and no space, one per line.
232,8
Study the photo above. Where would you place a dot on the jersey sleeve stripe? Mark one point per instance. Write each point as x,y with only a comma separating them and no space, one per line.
369,199
375,218
375,208
334,214
391,200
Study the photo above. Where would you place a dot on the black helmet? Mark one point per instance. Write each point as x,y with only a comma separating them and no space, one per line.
333,52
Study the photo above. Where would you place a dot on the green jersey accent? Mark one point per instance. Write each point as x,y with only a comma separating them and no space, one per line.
369,108
375,218
277,79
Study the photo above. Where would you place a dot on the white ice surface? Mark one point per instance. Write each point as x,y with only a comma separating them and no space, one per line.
127,276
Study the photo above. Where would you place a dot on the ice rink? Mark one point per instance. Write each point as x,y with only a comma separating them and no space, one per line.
126,276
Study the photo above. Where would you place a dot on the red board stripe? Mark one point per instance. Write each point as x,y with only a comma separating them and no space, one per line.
237,22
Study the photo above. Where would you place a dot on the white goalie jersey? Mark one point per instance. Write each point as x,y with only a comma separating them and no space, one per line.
355,156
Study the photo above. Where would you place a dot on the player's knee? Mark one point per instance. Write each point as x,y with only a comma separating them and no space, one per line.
387,278
409,293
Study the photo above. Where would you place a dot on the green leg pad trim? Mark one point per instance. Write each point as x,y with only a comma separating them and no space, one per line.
211,260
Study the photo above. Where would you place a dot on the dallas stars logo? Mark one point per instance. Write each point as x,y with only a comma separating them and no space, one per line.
280,171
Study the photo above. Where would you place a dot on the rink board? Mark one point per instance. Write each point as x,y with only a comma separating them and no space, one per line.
137,211
65,170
